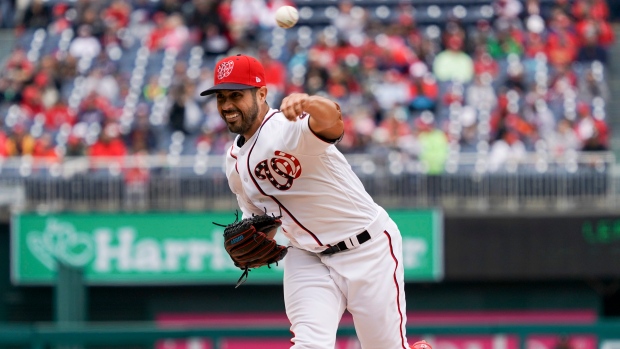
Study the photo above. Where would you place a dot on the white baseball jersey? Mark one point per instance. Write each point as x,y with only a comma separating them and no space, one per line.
285,165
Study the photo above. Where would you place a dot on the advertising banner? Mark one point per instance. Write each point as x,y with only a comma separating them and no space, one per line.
481,341
438,342
173,248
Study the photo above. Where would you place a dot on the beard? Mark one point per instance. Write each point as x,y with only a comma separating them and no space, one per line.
248,118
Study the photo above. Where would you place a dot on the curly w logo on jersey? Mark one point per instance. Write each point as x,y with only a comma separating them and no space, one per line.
225,69
280,170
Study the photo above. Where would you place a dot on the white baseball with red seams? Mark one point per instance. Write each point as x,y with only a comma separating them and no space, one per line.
285,168
286,16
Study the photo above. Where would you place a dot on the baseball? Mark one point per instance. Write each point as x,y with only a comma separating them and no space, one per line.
286,16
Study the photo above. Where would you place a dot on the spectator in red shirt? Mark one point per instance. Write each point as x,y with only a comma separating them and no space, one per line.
116,15
159,32
176,33
31,101
44,150
423,88
96,109
344,52
224,13
59,22
484,63
589,26
598,9
58,115
534,39
109,148
534,44
396,52
562,44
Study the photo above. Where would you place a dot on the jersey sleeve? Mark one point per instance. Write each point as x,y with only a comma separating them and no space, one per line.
299,137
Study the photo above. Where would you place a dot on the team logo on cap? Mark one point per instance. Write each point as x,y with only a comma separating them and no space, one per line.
225,69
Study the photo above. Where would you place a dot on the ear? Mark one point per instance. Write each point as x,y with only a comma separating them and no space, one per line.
261,95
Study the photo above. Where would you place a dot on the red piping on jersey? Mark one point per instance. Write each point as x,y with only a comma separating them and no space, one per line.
232,146
233,156
270,196
402,337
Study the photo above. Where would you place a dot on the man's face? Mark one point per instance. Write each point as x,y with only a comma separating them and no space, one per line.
238,108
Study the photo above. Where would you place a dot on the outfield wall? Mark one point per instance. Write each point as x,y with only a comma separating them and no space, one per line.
486,262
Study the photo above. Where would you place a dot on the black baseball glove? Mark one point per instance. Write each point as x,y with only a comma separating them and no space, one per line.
249,244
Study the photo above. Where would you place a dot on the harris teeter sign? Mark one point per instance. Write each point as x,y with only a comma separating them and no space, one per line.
162,248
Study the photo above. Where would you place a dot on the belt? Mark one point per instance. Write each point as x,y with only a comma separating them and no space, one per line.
342,246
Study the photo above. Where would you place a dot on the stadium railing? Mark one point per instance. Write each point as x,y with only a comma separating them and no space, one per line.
195,183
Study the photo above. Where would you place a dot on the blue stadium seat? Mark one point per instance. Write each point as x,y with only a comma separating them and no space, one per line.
23,41
128,58
51,44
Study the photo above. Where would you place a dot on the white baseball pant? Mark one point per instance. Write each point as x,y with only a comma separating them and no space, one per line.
368,281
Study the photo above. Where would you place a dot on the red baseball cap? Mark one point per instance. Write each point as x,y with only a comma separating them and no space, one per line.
237,73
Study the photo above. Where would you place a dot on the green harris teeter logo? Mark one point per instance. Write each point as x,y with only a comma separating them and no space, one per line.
59,241
170,248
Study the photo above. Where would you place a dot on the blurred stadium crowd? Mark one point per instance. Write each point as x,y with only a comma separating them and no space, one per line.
429,79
